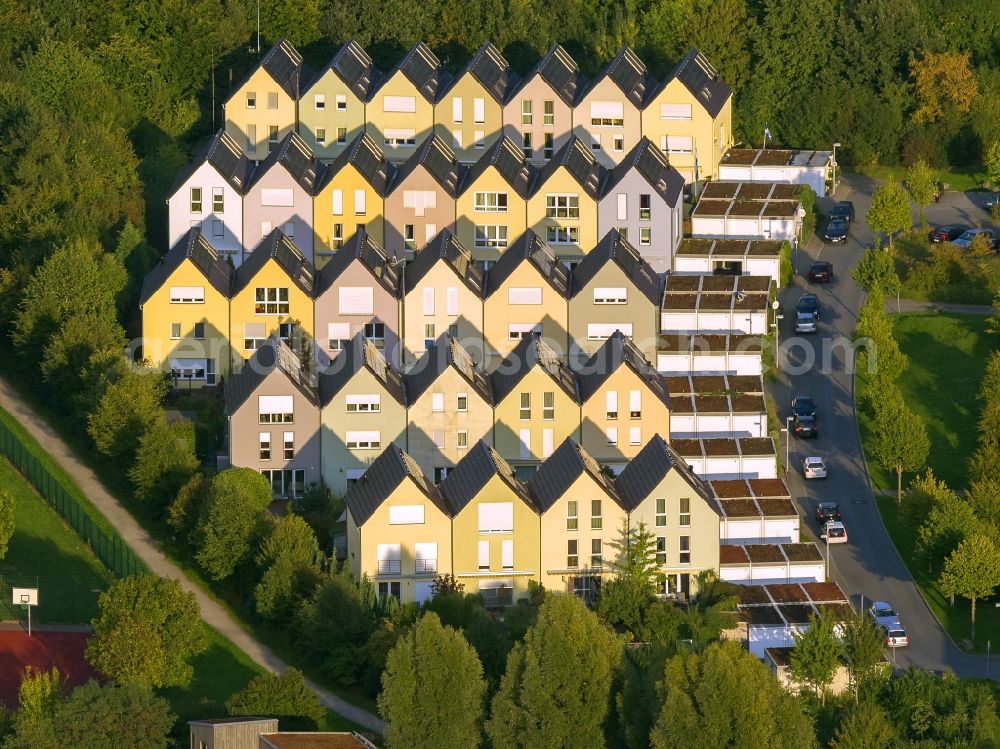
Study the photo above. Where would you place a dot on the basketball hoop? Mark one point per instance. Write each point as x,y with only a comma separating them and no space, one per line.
26,598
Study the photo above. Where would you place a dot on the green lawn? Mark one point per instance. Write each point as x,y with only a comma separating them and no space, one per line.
956,619
947,357
44,547
957,178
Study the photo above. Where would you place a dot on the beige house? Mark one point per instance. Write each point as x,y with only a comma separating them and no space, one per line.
400,112
608,114
362,410
263,108
536,403
538,113
490,207
443,294
525,294
690,118
398,528
495,527
582,516
659,490
623,401
450,407
332,107
420,202
469,112
562,208
273,414
613,289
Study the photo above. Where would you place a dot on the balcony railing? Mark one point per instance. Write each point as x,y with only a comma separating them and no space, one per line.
425,566
495,597
388,566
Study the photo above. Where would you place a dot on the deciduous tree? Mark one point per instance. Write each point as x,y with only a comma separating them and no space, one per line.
889,211
950,520
944,84
146,633
972,571
900,436
129,406
920,179
816,655
231,516
862,645
865,726
288,550
432,664
876,271
991,160
285,697
6,520
164,462
97,717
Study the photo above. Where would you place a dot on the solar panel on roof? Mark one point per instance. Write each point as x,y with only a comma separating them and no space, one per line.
422,68
629,73
203,255
354,66
560,71
439,160
367,159
490,69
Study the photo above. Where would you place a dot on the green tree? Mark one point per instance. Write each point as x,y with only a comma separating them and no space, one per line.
71,348
625,598
126,411
889,211
637,697
972,571
184,511
6,520
534,707
900,436
863,653
231,516
880,355
991,159
876,271
96,717
816,656
432,664
920,179
866,726
950,520
724,697
285,697
147,631
288,550
164,462
39,697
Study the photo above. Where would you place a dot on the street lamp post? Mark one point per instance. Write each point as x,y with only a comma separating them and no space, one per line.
788,437
827,564
834,189
776,305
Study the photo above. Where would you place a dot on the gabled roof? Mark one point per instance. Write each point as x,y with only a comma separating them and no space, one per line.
352,65
227,158
561,469
529,248
700,78
439,160
493,72
391,468
446,248
580,162
532,351
647,469
364,154
628,73
446,352
615,352
194,247
297,158
473,472
285,66
509,161
423,69
560,71
359,354
365,250
614,248
653,167
288,257
272,354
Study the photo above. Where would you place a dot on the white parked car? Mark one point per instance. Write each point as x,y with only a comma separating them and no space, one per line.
895,636
814,468
834,532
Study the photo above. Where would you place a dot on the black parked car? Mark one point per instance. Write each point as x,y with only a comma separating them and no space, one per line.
821,272
843,210
827,511
803,405
947,232
836,231
805,426
808,303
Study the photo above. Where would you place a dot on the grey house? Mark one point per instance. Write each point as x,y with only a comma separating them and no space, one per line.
642,199
273,413
357,293
362,411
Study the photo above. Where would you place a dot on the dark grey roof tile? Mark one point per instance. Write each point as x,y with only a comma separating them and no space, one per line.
195,247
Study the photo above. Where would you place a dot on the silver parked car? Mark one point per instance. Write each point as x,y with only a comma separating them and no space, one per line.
814,468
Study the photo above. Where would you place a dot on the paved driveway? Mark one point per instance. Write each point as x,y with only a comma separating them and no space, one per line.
868,566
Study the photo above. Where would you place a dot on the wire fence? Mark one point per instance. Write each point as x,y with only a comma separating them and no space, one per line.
108,547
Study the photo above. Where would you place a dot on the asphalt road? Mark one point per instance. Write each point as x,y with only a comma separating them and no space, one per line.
868,566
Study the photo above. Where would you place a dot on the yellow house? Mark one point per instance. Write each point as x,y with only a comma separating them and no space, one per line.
623,401
535,403
469,114
608,112
526,293
490,210
185,313
562,208
263,108
350,196
400,112
332,108
494,527
272,295
690,117
659,490
398,528
582,517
